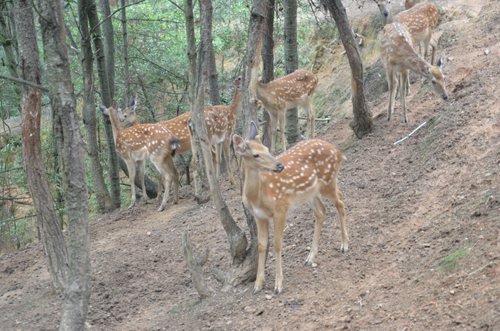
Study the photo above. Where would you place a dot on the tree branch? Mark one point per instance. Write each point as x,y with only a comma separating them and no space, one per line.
113,14
25,82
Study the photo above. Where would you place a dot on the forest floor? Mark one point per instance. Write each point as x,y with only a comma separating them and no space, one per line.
423,218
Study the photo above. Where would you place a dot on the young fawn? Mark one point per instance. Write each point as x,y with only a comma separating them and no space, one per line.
272,186
295,89
141,142
396,51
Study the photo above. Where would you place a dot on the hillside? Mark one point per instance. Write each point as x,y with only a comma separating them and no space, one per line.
423,220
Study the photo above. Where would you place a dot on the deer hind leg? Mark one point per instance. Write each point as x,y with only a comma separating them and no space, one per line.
131,174
333,193
279,227
175,178
316,204
403,80
262,238
226,145
282,120
217,159
160,187
141,167
393,82
160,162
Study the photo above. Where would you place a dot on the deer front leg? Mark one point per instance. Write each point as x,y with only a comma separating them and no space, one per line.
175,178
160,186
310,114
279,226
404,78
131,174
274,127
262,239
319,212
393,82
226,145
282,121
217,159
141,167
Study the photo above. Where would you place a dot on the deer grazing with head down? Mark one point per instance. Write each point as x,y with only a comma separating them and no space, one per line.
272,186
141,142
398,55
279,95
220,122
420,20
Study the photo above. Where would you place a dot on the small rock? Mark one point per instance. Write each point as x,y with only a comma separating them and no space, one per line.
349,310
308,248
486,52
229,322
314,265
249,309
269,297
148,233
481,237
450,58
452,292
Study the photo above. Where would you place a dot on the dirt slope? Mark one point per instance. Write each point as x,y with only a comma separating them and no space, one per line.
423,220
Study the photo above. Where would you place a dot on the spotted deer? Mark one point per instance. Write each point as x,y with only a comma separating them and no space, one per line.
141,142
178,126
398,56
279,95
304,173
420,20
220,122
411,3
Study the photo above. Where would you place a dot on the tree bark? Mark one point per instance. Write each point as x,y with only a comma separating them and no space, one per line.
109,46
113,159
126,75
362,122
268,68
10,58
56,252
191,48
195,264
63,103
291,64
104,200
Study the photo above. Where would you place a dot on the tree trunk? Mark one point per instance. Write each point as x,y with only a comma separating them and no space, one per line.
126,75
195,264
10,58
113,159
362,122
109,46
104,200
56,252
268,68
63,103
291,64
191,48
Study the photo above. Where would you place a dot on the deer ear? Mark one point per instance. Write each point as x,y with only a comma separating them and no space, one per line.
115,105
132,102
253,131
104,110
239,145
441,62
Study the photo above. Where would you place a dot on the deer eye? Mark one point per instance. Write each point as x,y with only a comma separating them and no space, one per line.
433,82
256,156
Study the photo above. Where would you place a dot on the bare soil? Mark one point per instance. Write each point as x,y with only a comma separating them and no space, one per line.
423,220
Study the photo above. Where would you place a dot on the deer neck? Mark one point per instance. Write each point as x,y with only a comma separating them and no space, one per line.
262,93
115,125
236,104
251,187
412,63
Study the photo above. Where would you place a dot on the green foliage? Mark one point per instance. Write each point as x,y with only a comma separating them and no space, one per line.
452,261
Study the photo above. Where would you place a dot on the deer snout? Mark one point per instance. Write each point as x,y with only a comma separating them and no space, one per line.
386,13
445,97
279,167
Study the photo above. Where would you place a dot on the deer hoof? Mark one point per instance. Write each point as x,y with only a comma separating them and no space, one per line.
256,290
278,290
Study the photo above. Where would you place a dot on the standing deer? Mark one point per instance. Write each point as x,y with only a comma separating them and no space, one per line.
178,126
398,55
220,122
295,89
304,173
141,142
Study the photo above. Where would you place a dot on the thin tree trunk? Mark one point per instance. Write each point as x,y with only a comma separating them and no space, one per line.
291,64
268,68
113,159
191,48
63,102
126,75
56,252
362,123
10,58
109,46
104,200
